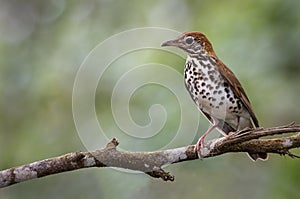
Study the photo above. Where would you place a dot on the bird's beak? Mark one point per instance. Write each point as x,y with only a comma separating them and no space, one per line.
170,43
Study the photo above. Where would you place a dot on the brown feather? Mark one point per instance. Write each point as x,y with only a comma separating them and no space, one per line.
237,89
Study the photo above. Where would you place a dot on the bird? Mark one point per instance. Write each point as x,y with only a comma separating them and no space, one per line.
215,89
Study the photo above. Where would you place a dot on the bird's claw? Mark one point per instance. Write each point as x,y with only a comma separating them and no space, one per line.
198,147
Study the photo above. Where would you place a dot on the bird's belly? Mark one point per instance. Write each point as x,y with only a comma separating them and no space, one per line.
215,99
217,108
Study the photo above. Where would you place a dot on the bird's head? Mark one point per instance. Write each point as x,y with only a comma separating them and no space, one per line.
193,43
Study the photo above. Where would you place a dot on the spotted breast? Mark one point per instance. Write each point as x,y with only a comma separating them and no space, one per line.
212,93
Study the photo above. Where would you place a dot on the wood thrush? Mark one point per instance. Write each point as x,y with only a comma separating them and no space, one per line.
214,88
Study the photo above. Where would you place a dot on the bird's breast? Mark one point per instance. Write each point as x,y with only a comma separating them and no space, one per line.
209,90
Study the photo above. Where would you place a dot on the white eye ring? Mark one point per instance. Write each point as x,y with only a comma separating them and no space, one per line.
189,40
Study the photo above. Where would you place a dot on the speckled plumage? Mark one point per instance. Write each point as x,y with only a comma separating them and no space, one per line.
212,93
214,88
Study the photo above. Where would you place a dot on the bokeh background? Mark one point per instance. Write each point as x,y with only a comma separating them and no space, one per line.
43,44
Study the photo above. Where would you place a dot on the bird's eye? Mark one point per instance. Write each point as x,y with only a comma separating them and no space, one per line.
189,40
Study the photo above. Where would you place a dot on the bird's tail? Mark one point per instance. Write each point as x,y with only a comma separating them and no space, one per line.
255,156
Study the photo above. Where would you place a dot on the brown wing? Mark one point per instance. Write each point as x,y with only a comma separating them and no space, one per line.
237,89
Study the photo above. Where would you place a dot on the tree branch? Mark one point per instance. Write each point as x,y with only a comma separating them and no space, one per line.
151,163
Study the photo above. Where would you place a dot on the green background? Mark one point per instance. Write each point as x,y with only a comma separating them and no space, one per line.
43,43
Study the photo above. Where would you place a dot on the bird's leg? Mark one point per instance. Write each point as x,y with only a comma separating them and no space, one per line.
201,139
239,130
238,124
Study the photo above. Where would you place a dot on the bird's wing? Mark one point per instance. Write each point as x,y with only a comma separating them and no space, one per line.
237,89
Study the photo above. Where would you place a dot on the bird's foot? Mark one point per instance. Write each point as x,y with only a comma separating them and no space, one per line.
241,133
244,130
198,146
200,142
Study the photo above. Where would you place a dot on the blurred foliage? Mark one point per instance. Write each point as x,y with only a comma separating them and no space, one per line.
43,43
